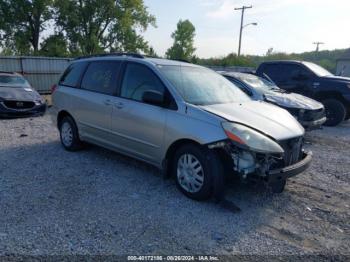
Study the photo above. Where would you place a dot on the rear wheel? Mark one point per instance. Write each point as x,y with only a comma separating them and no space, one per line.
69,134
335,112
196,170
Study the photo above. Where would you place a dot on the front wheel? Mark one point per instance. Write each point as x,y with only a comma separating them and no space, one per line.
335,112
197,171
69,134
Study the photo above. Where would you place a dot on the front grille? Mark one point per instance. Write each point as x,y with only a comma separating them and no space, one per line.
310,115
293,111
19,105
292,150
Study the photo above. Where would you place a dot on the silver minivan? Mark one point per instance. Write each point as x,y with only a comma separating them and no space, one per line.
185,119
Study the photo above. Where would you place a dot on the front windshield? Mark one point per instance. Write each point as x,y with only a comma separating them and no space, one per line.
8,80
258,82
318,70
201,86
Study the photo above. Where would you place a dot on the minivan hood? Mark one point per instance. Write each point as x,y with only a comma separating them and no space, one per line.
19,93
268,119
292,100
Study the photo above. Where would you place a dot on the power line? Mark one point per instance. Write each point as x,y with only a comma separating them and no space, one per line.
243,8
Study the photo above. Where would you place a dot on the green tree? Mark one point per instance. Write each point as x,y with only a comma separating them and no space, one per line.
93,26
151,52
22,22
183,47
55,45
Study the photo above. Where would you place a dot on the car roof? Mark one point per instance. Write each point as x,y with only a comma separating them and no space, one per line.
162,61
135,58
283,62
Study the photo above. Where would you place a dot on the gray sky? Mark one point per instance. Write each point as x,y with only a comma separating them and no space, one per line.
286,25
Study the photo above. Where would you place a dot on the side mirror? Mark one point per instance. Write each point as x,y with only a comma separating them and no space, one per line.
153,97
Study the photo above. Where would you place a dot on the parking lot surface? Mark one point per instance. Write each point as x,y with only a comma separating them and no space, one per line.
97,202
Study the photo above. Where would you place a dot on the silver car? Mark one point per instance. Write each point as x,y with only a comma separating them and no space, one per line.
182,118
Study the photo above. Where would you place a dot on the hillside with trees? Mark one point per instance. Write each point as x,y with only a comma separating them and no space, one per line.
326,59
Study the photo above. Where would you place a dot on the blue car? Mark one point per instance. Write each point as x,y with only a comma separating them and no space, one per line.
309,112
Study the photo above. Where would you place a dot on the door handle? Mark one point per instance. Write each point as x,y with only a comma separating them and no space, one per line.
119,105
107,102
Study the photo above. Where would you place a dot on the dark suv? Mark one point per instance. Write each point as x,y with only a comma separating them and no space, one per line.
313,81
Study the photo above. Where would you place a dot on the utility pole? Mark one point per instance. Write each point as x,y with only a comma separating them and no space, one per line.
318,45
243,8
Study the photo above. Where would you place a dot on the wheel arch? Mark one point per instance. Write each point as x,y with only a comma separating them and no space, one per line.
62,114
217,186
167,163
330,95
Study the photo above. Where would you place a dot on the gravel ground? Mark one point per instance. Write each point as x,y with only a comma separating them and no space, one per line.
95,201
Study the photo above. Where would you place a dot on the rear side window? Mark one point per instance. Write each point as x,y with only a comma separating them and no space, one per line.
271,71
281,72
101,77
293,71
72,75
138,79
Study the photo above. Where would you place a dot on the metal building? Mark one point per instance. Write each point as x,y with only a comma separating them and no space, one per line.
343,64
41,72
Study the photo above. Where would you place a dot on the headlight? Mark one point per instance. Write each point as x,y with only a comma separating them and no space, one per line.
250,138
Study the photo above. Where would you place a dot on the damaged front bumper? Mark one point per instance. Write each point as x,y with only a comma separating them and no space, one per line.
270,168
290,171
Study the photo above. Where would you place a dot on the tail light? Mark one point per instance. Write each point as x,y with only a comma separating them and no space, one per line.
53,88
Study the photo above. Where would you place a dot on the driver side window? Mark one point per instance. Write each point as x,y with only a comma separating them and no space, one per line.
138,79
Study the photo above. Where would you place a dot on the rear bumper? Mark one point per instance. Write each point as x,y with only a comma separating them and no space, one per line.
13,113
290,171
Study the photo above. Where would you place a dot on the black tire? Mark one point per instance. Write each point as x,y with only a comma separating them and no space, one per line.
75,143
335,112
212,171
278,186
